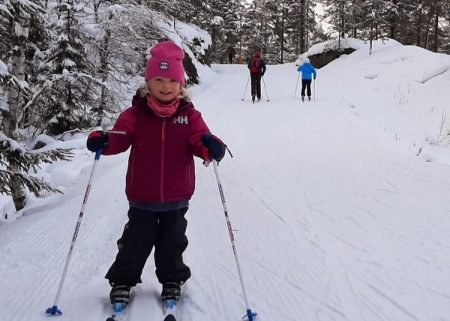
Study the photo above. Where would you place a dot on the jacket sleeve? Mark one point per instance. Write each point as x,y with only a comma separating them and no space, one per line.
118,143
314,72
299,69
197,131
263,66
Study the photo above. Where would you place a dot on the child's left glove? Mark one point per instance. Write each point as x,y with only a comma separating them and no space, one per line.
215,146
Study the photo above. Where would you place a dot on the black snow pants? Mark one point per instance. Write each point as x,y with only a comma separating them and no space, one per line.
306,84
256,85
146,229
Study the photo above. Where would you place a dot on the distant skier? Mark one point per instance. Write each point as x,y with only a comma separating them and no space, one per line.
164,131
257,69
231,53
308,72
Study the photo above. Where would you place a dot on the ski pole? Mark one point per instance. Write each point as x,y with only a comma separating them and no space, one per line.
54,309
314,89
245,88
250,315
265,88
296,85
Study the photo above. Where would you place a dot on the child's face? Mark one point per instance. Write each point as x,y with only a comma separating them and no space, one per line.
164,89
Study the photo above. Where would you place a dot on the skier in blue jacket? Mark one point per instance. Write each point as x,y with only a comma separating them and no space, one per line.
308,72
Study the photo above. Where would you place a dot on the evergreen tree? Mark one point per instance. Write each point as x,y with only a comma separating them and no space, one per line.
16,163
302,28
70,88
15,20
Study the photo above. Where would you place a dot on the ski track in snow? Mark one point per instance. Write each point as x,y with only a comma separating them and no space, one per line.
343,232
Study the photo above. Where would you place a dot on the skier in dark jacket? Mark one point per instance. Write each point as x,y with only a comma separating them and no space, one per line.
164,131
308,72
231,53
257,69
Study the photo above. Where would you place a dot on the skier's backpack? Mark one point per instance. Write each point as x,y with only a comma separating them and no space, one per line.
255,66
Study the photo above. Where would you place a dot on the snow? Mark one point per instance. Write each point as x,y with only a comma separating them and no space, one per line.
335,45
339,206
3,68
4,8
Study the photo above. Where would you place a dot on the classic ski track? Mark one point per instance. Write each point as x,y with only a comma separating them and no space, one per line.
371,156
51,235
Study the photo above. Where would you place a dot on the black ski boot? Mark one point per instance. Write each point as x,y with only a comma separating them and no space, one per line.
120,294
171,291
309,98
253,99
303,98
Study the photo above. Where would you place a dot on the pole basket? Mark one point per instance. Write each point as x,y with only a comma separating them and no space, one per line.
250,316
53,311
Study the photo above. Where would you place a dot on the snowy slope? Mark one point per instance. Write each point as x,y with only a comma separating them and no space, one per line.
336,217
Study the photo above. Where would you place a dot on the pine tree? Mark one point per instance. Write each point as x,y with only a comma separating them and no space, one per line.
16,163
70,89
15,20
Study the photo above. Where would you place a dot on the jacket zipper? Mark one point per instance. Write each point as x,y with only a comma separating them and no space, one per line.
163,148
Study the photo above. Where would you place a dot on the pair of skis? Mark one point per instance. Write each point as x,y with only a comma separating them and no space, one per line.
169,307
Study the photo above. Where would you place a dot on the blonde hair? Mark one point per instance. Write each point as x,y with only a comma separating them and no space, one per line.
144,90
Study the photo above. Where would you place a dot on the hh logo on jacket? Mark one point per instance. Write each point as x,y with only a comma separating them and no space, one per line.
183,120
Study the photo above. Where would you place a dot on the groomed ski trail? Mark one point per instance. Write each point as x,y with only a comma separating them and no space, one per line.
329,219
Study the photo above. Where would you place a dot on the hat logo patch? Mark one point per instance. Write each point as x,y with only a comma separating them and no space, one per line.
163,65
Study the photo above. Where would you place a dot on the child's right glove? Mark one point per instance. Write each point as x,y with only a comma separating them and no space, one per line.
215,147
97,140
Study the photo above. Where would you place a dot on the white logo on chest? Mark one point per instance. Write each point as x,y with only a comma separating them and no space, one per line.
183,120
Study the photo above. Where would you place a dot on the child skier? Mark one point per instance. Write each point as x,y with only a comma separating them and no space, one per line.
308,71
164,131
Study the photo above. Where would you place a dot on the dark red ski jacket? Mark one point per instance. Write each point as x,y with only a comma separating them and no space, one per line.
161,164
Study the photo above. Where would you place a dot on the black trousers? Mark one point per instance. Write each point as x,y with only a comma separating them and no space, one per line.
306,84
256,85
145,229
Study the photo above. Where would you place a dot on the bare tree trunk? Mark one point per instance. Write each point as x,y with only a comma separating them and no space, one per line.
302,27
16,102
104,64
419,27
342,21
393,23
282,37
354,30
436,26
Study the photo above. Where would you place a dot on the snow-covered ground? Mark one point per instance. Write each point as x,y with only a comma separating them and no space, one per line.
340,206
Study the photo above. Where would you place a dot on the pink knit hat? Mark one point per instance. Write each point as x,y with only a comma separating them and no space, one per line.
166,61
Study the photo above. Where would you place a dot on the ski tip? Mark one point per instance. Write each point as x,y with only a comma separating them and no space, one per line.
170,317
110,319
